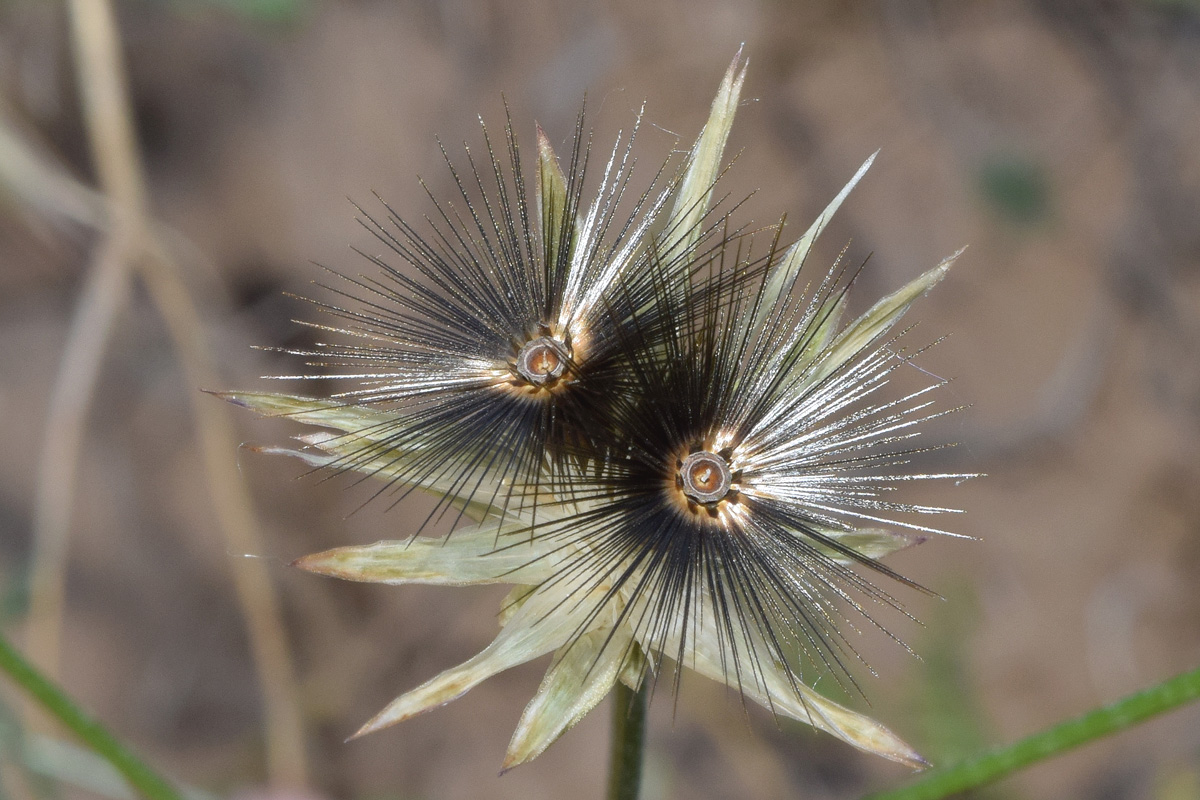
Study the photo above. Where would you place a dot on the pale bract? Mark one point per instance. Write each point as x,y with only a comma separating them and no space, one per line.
592,626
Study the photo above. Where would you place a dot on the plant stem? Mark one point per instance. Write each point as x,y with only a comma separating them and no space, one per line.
102,80
989,767
628,734
144,780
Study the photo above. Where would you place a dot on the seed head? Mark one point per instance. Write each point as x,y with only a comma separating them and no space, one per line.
675,449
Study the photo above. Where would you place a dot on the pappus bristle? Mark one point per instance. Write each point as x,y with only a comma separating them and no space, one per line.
744,505
490,334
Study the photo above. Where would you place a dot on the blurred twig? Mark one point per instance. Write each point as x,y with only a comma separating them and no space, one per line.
103,294
235,513
133,245
23,172
73,765
99,304
143,779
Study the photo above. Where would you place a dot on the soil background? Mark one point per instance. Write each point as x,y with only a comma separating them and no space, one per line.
1060,140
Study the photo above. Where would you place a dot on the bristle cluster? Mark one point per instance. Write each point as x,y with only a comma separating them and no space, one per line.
671,440
742,452
500,347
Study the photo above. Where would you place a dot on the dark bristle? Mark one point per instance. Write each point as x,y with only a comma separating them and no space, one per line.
433,335
765,561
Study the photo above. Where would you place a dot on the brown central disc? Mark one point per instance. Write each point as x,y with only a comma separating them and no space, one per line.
706,477
541,360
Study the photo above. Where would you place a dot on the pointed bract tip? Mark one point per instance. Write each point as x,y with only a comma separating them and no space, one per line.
736,74
375,724
904,755
739,58
935,275
858,176
229,397
315,562
950,259
545,149
358,734
328,562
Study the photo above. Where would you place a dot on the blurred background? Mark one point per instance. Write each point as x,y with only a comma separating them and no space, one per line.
1060,140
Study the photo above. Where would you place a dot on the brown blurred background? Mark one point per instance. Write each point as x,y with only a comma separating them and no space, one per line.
1060,140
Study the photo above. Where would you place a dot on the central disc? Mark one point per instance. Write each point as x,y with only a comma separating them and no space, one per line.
541,360
706,477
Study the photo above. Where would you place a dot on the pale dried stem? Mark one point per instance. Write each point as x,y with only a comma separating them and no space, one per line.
26,173
83,354
100,72
132,244
235,514
66,419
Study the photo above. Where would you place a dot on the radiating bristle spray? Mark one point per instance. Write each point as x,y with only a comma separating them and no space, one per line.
490,329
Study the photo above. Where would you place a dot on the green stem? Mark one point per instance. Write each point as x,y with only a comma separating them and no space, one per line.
628,733
989,767
143,779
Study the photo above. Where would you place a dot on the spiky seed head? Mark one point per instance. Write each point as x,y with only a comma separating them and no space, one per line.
614,576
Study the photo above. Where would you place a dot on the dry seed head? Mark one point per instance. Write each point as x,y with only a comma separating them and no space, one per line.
660,553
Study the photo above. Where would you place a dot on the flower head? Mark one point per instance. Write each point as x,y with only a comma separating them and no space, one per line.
696,456
496,352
